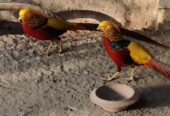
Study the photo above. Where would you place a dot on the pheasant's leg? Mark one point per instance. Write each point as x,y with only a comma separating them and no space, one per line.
114,76
59,43
60,47
131,78
46,52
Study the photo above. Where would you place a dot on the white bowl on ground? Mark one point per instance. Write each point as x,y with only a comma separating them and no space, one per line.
114,98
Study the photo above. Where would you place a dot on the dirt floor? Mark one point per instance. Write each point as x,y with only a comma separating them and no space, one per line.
59,85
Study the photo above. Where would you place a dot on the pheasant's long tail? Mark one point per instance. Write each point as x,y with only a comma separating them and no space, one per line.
160,67
83,26
141,37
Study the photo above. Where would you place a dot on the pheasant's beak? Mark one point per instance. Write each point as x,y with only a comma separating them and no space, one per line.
98,28
20,20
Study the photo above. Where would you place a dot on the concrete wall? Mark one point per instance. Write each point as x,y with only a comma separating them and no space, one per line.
136,14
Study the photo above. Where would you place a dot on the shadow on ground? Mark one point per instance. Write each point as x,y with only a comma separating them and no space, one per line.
157,96
8,27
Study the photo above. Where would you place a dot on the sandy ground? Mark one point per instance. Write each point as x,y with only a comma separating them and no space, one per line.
59,85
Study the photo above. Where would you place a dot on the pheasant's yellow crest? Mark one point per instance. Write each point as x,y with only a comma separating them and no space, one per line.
105,24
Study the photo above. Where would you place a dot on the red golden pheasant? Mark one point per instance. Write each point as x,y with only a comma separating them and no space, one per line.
41,27
127,53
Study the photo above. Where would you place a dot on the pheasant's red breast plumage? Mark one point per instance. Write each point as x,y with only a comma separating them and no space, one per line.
42,33
120,57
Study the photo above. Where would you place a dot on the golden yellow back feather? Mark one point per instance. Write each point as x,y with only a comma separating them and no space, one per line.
57,23
138,53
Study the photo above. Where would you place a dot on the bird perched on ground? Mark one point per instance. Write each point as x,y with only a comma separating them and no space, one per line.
42,27
127,53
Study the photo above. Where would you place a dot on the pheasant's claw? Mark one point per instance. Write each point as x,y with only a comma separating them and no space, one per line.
111,77
130,79
60,51
60,46
45,54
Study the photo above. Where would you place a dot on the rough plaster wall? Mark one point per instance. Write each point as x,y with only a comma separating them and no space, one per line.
163,20
164,4
141,13
132,13
136,14
114,8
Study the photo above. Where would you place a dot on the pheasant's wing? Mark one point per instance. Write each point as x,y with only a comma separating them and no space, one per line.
138,53
36,20
40,21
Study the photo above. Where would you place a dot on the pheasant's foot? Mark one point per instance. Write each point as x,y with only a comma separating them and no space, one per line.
46,53
131,78
114,76
60,51
60,46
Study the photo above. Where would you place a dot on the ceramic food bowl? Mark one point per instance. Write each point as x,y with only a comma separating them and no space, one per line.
114,98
